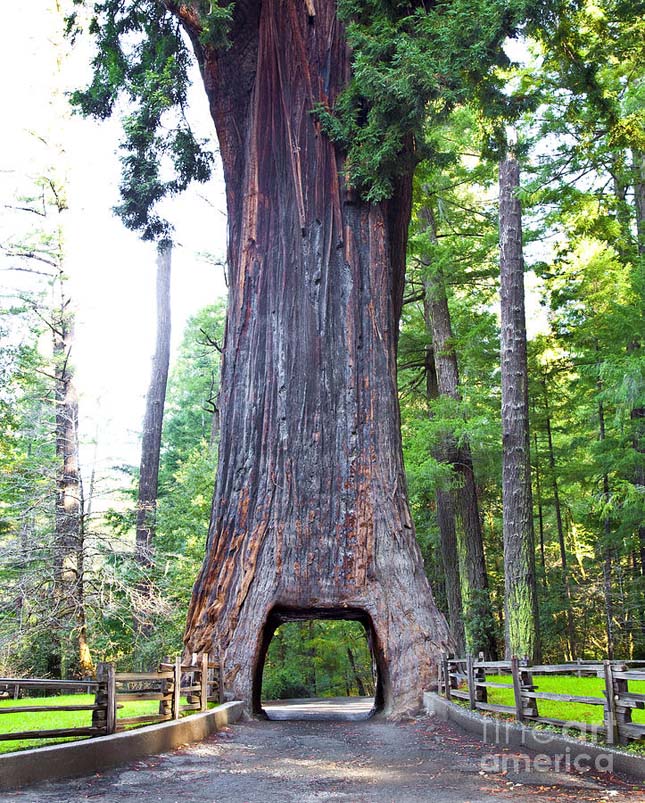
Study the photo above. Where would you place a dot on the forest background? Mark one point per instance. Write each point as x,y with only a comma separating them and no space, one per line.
576,105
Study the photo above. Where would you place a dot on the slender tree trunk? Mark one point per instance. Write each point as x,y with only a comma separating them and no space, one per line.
623,213
519,552
359,682
478,618
571,644
69,556
538,490
310,513
638,158
638,421
607,551
27,522
85,664
638,413
554,480
311,656
637,598
151,441
446,521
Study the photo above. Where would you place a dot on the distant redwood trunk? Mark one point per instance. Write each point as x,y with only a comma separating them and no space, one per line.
310,512
151,441
520,599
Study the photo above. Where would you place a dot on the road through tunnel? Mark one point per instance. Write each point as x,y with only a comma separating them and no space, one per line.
319,664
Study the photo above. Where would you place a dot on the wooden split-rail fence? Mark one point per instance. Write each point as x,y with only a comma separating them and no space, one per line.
199,682
469,679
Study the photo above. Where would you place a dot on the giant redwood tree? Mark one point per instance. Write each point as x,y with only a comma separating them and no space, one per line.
319,113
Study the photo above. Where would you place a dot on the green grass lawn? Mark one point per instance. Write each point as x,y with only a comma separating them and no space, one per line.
50,720
565,684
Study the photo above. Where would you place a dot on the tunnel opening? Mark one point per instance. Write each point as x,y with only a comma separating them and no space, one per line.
319,664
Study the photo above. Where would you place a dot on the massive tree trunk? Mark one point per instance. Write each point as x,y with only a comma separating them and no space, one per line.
151,441
310,515
519,551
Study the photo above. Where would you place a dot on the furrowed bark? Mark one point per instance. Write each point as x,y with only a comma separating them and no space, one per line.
521,620
310,513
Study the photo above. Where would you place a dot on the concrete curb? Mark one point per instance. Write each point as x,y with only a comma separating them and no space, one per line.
500,733
90,755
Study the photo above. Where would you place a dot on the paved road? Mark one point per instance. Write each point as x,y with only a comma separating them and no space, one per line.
420,761
343,709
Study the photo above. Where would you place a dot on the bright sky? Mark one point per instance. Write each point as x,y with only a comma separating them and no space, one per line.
112,272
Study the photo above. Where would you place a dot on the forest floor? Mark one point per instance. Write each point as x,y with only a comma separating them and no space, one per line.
416,761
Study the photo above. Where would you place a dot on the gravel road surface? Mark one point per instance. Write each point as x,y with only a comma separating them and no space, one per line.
418,761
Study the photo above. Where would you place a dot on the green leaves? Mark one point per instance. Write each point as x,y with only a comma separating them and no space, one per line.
318,658
411,67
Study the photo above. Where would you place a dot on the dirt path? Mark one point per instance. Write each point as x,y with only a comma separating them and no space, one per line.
421,761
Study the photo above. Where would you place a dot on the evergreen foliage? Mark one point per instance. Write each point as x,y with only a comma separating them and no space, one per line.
318,659
412,65
142,56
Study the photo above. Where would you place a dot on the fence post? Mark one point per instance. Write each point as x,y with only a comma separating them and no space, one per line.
203,682
99,715
176,689
611,722
105,716
164,706
192,697
481,692
517,690
446,675
471,681
111,699
623,712
529,704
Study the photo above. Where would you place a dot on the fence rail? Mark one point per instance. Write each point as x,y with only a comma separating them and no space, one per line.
466,679
14,686
198,681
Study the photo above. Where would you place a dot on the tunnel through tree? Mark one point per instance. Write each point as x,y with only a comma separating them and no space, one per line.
317,655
